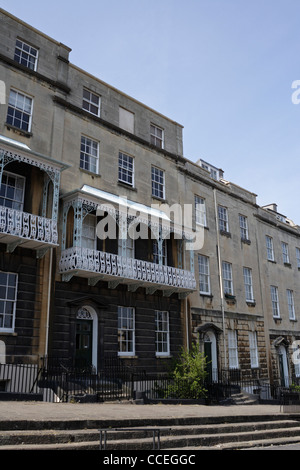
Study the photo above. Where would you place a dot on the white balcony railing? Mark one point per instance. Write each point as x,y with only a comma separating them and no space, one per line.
22,228
90,263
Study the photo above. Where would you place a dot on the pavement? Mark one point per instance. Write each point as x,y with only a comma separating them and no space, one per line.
110,411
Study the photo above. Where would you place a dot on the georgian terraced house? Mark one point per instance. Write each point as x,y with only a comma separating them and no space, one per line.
83,168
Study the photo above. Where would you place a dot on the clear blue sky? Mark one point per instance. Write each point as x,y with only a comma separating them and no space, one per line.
222,68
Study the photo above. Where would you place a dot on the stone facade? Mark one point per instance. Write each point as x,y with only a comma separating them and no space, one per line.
71,144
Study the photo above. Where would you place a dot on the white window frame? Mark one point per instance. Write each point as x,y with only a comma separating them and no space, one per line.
126,169
89,154
8,296
26,55
156,136
130,246
88,234
270,248
285,253
91,102
200,211
233,350
227,278
247,273
253,349
19,102
291,304
244,227
204,275
223,219
158,182
162,333
126,331
18,189
275,302
155,253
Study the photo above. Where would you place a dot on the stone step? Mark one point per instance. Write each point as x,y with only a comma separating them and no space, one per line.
222,436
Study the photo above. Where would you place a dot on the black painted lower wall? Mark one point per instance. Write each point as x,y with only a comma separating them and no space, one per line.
69,296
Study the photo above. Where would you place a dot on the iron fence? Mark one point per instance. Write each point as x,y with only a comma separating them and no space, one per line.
60,380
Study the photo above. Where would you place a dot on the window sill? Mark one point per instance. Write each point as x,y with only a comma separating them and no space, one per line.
125,356
251,303
224,233
8,333
288,265
17,130
91,173
272,261
161,199
246,241
203,294
126,186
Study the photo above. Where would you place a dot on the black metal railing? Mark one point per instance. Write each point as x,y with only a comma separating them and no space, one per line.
62,380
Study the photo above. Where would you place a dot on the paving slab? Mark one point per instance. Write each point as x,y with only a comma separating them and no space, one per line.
27,410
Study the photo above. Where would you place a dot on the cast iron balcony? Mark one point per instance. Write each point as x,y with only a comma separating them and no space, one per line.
30,231
98,265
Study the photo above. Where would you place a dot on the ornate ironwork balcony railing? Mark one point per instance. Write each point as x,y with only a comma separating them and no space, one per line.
31,231
89,263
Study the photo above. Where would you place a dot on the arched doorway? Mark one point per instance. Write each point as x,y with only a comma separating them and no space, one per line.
86,337
209,337
210,352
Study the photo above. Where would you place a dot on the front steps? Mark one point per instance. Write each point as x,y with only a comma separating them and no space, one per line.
178,434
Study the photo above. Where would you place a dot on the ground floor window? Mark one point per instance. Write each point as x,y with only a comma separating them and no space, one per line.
162,336
8,300
126,331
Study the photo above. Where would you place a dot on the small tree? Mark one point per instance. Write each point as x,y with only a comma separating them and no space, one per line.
188,375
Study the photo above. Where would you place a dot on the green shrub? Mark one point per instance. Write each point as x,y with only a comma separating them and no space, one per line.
188,375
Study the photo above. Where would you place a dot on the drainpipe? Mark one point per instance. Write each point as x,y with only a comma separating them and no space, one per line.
220,279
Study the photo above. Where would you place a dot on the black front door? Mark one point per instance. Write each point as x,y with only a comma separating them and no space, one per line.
84,340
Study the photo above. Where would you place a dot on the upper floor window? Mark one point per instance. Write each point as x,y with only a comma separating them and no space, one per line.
19,110
270,250
158,182
162,336
223,219
91,102
248,284
8,301
156,136
204,280
89,232
285,253
291,305
200,211
89,154
126,169
157,254
275,302
227,278
244,227
126,251
12,191
26,55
